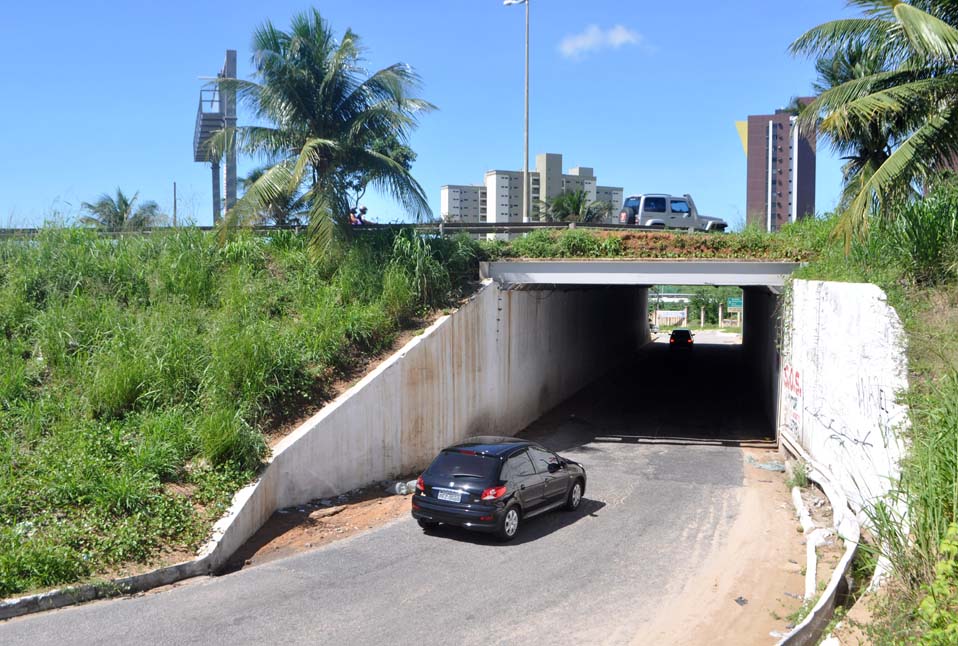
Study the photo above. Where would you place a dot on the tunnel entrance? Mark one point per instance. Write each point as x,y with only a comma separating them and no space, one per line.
723,389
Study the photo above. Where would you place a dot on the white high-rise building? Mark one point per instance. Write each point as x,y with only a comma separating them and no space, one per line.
500,198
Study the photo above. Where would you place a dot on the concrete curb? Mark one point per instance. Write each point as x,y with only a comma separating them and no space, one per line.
53,599
846,524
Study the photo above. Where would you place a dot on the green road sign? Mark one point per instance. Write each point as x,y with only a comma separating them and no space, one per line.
735,303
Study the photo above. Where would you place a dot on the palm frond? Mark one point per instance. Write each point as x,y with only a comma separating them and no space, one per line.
929,36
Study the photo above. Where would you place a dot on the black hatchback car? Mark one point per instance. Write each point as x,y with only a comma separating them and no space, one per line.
493,484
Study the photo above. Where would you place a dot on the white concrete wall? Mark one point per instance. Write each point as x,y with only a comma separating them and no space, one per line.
493,367
843,367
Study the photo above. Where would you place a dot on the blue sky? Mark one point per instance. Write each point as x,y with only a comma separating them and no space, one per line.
103,94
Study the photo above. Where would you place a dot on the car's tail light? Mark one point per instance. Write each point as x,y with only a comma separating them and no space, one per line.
485,518
690,340
671,340
420,485
493,493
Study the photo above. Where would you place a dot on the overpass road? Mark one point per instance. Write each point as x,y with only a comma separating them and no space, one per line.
666,479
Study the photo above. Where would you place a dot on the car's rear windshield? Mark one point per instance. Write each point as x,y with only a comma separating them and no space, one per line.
455,464
681,333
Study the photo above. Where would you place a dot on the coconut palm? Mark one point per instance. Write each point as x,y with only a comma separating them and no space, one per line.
286,208
318,119
574,206
863,145
119,212
916,91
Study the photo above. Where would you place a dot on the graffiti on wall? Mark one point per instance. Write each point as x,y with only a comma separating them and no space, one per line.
792,383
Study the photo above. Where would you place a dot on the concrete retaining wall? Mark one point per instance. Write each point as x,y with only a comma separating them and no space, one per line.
493,367
843,366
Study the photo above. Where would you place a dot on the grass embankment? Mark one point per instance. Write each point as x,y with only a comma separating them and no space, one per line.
139,375
582,243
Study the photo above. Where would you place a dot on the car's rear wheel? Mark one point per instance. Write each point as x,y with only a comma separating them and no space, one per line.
509,523
575,496
427,524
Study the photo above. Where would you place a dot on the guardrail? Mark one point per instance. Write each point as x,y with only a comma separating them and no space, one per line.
440,228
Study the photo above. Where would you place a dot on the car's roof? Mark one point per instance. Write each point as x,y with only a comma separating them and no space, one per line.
682,330
490,445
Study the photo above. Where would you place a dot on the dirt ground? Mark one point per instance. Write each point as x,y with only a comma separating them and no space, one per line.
756,577
298,529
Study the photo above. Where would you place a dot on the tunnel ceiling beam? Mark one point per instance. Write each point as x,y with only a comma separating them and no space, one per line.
640,272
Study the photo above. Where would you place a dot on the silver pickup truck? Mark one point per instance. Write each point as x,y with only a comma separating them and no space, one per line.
667,212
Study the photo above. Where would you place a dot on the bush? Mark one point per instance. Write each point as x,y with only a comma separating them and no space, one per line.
924,234
938,611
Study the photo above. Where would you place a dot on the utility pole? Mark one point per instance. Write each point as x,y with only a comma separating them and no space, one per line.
526,184
174,204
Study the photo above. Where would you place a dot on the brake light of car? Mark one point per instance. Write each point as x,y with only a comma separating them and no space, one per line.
420,485
493,493
689,341
671,340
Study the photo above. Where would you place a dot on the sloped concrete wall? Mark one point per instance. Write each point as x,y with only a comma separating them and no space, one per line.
493,367
843,368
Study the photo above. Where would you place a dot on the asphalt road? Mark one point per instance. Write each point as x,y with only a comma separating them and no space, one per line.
660,439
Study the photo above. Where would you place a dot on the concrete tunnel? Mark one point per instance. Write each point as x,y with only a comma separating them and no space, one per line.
716,393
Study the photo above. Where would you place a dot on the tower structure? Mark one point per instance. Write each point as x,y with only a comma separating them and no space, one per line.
217,111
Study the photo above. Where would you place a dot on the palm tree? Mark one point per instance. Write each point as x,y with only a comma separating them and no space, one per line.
574,206
322,119
120,213
916,91
863,145
286,208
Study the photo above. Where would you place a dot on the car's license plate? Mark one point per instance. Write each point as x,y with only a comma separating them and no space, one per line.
451,496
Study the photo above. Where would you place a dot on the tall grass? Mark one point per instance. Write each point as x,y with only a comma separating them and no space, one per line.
139,375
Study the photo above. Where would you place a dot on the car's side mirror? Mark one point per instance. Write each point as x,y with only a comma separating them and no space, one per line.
553,467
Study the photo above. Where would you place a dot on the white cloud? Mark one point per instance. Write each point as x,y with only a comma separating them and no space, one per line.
594,38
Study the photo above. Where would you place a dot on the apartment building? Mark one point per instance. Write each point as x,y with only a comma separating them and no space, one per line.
499,198
780,184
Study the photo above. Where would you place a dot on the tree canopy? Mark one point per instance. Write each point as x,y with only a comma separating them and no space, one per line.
120,212
323,126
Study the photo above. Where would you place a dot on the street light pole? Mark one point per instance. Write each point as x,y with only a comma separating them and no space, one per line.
525,159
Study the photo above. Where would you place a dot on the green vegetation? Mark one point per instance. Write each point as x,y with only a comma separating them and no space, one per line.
121,213
139,376
327,130
799,476
897,88
573,206
798,243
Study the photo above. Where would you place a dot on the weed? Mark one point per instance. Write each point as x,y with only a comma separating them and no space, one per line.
799,477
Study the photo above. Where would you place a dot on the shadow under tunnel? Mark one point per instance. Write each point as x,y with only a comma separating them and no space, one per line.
703,395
